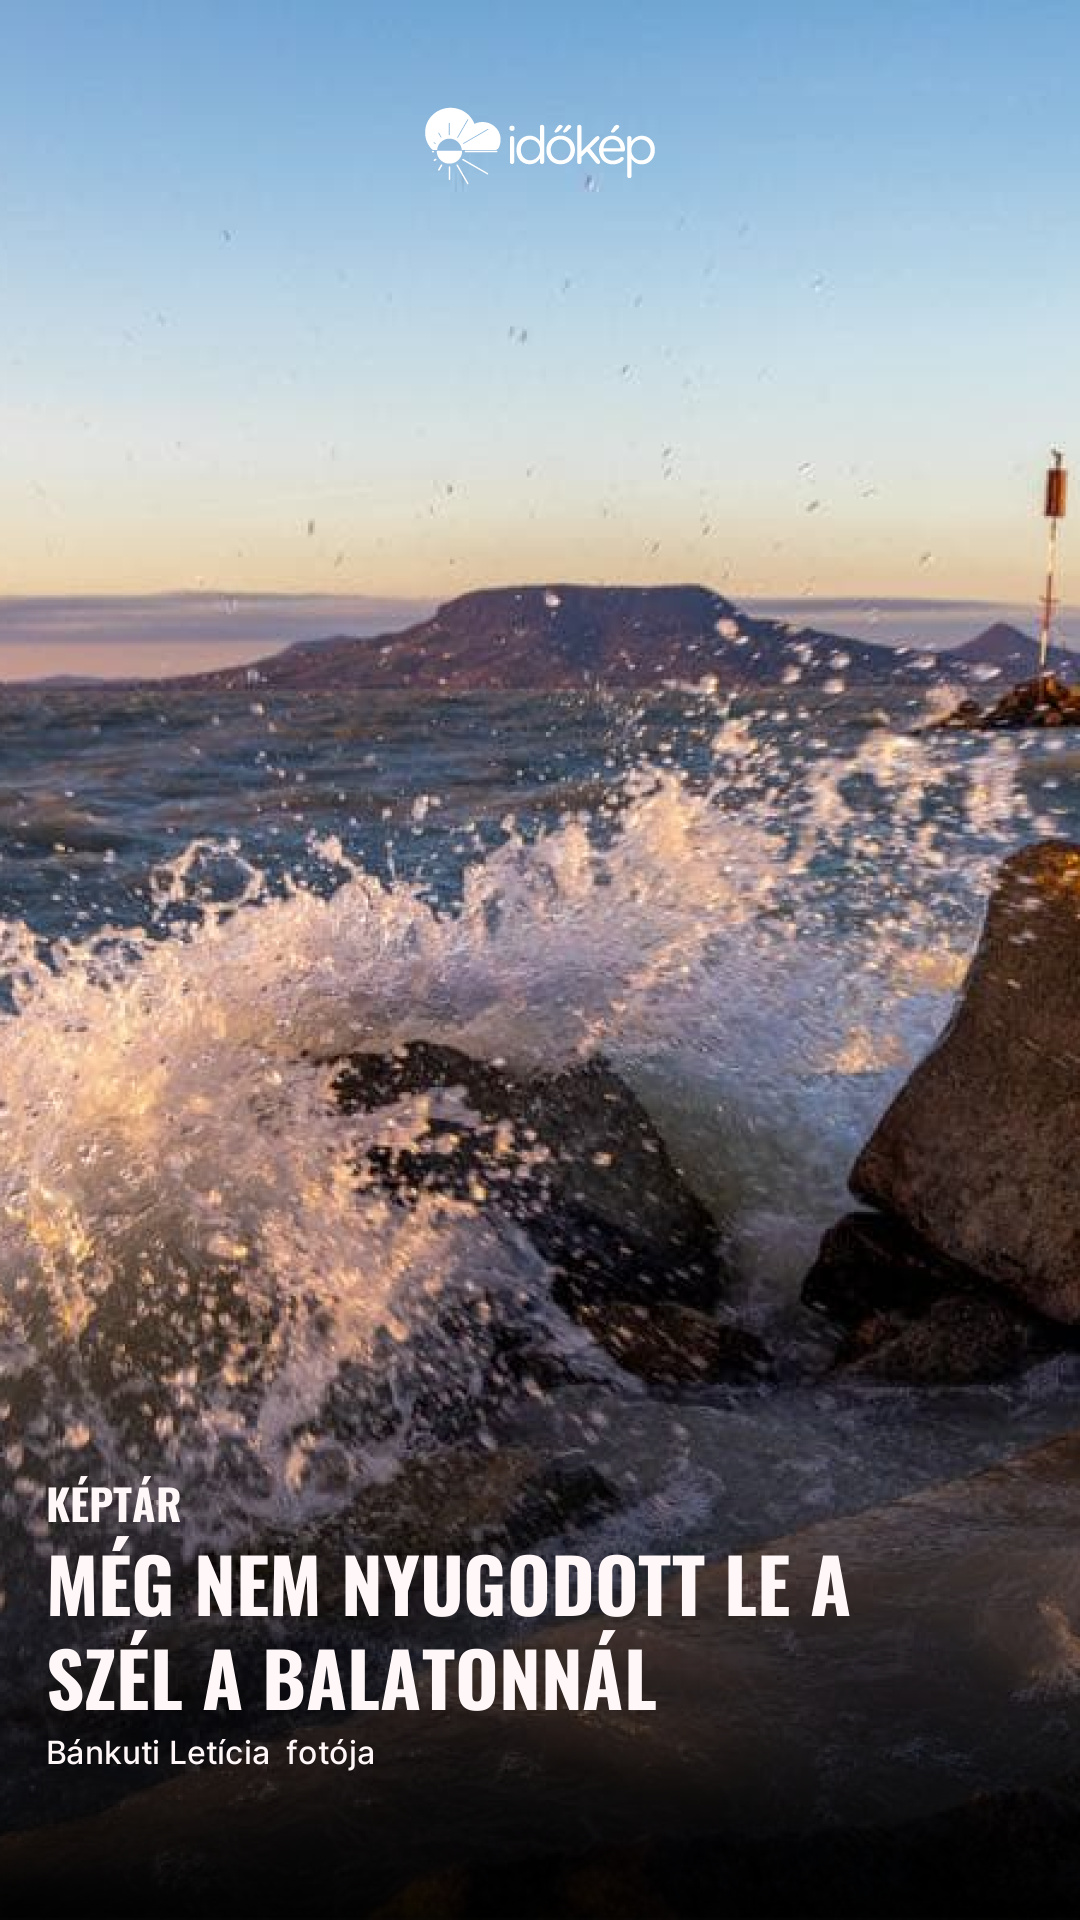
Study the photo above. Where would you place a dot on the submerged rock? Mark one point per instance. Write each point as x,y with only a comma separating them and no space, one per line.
574,1161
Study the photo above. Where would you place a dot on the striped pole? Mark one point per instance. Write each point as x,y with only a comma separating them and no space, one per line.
1057,483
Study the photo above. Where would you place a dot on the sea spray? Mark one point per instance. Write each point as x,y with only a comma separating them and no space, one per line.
189,1275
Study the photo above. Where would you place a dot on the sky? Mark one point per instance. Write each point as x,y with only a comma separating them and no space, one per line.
253,341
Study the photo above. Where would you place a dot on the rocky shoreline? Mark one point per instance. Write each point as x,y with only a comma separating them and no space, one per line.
967,1263
918,1754
1045,701
963,1261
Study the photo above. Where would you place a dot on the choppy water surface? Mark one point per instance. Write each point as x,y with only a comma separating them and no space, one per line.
760,917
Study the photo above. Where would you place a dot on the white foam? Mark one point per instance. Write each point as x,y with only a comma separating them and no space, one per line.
762,954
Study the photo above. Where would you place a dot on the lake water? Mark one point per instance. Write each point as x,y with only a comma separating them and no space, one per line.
760,916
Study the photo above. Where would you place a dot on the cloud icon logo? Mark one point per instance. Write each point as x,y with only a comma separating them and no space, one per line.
454,136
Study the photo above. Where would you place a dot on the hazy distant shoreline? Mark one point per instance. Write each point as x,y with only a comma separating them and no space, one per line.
158,636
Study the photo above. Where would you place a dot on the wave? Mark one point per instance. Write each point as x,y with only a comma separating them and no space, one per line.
189,1276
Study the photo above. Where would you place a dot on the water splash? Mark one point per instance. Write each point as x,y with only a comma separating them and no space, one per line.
189,1276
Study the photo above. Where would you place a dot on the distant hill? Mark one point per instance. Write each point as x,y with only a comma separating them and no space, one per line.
1014,653
68,680
545,639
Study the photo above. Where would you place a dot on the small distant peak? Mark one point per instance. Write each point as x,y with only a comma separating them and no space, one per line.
1000,645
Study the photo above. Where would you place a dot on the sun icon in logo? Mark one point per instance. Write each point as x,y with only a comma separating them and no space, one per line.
453,136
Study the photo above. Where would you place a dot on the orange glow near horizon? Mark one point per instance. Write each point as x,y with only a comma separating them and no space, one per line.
998,560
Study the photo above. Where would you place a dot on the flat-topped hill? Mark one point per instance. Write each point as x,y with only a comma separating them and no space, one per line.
547,638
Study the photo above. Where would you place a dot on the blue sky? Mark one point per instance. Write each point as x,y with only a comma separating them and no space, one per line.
251,340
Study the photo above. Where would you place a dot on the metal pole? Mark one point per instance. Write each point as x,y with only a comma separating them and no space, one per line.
1054,510
1048,600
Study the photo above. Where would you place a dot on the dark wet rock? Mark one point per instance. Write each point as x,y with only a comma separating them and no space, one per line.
575,1162
1045,701
561,1496
456,1500
911,1314
571,1158
870,1263
974,1155
965,1338
671,1345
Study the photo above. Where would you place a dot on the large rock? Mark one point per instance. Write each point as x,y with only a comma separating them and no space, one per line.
975,1154
574,1161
